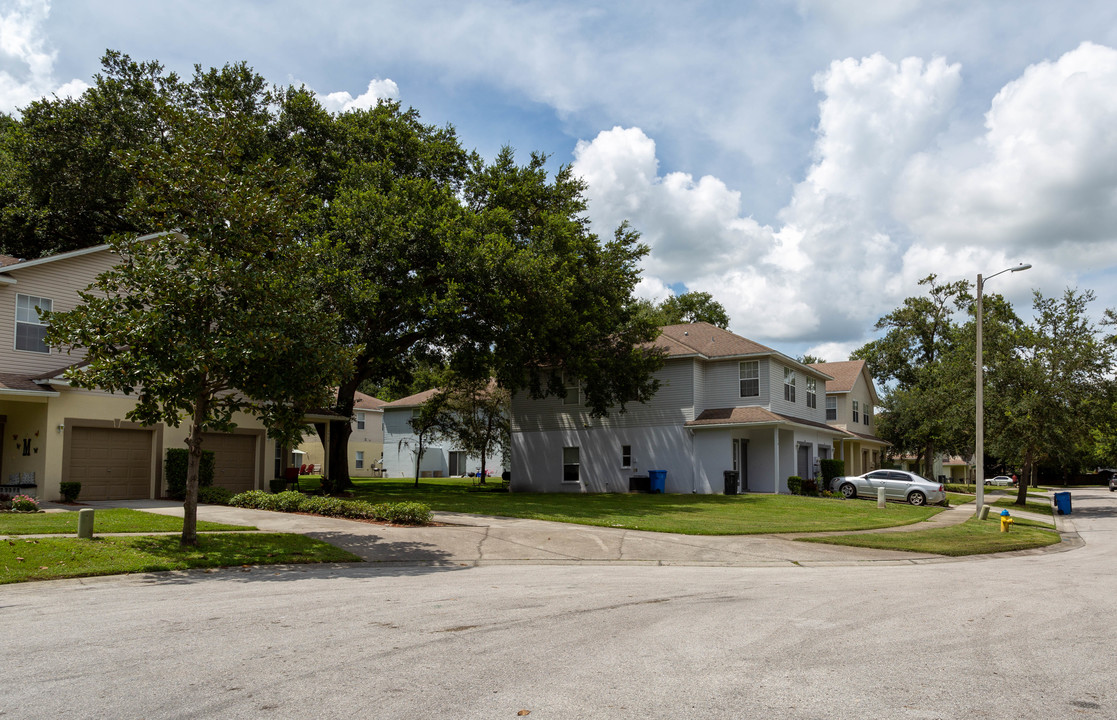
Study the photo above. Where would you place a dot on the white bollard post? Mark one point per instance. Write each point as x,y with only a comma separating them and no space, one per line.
85,523
880,497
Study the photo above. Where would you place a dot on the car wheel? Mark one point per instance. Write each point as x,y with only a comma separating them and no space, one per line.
917,498
987,483
848,491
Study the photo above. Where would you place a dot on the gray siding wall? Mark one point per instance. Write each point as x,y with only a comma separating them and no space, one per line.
722,381
59,281
400,461
673,404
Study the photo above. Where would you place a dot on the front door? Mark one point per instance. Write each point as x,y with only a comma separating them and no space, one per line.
803,468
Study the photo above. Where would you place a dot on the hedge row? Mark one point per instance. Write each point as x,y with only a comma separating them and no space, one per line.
404,513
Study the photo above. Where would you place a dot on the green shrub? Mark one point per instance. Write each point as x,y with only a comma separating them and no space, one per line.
407,513
215,495
795,485
25,503
254,499
278,485
952,487
831,469
70,490
286,501
178,460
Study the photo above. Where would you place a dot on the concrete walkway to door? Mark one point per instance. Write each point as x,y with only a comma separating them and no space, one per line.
463,539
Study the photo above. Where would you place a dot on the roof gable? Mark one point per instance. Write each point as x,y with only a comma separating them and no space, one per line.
709,342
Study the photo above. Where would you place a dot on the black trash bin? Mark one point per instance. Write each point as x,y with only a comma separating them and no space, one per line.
639,484
731,479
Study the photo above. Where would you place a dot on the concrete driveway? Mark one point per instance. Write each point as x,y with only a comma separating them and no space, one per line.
483,540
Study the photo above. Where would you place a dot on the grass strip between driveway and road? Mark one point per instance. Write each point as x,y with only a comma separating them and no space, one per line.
1042,508
110,520
685,514
23,559
973,537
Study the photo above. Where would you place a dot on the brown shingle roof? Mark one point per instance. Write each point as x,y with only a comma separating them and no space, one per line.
6,260
706,339
412,400
9,381
751,415
845,374
367,402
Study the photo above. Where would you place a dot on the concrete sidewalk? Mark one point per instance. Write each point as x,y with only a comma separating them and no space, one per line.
464,539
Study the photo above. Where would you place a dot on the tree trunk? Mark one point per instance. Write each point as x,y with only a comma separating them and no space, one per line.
418,459
190,504
340,430
929,460
1022,485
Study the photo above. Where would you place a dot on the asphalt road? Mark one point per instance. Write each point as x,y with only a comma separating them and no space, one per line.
1009,637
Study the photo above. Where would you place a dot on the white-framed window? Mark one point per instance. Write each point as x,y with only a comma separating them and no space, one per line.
856,416
831,408
570,464
750,378
572,389
359,459
868,412
360,421
812,393
626,456
31,331
789,384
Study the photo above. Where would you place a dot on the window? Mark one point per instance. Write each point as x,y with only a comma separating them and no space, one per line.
360,421
812,397
570,464
750,378
359,459
31,331
855,416
867,413
572,390
626,456
831,408
789,384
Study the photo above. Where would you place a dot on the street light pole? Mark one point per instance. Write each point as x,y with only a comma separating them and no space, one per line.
979,439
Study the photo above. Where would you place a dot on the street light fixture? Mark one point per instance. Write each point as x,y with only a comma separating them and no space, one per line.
979,445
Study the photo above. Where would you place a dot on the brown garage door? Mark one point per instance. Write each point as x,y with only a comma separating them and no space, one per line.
111,464
234,460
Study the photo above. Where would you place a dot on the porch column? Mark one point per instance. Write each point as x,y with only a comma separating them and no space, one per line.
776,450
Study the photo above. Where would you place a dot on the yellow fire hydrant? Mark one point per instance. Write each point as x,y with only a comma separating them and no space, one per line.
1006,521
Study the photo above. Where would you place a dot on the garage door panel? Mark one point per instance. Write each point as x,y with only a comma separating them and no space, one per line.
111,463
234,460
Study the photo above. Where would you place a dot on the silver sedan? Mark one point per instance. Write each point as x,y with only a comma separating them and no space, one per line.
897,484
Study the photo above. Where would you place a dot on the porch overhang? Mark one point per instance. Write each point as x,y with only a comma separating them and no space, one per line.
755,417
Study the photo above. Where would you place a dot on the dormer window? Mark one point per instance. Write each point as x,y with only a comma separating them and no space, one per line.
31,331
789,384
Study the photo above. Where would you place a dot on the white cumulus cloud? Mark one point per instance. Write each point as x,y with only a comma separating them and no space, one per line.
378,90
23,45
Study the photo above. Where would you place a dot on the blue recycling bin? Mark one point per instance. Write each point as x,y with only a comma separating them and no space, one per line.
1062,503
658,480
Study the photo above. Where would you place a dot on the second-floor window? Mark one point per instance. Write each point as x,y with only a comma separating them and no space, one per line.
31,331
360,421
855,416
868,412
789,384
571,386
831,408
750,378
812,393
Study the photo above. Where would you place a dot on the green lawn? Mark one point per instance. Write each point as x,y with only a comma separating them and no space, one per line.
115,520
972,537
1043,508
688,514
959,498
26,559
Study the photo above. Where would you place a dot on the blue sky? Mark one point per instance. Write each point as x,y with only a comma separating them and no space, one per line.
805,162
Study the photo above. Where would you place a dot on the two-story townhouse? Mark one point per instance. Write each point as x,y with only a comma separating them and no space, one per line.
850,401
366,439
54,432
442,456
724,403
